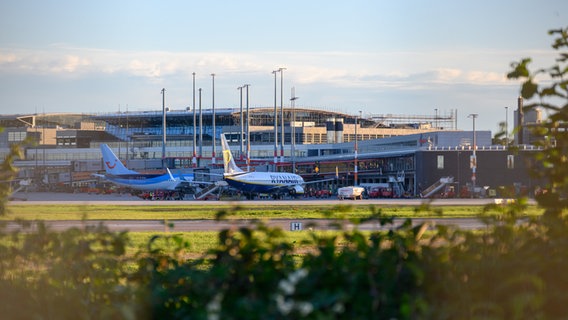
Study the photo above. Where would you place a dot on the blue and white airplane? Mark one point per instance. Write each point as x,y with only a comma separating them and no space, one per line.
118,174
251,183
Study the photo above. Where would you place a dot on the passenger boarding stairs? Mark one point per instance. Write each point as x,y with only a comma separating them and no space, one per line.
431,190
22,185
397,184
210,189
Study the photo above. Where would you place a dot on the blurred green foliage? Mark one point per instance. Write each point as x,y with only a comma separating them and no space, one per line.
514,269
8,173
552,97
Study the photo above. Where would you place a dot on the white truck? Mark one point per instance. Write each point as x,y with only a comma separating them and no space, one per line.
350,193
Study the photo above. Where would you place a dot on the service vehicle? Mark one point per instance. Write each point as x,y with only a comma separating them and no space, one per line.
351,192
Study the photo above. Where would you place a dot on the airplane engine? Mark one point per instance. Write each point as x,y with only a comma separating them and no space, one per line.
297,190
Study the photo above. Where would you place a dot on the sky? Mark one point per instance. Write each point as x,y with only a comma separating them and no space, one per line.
378,57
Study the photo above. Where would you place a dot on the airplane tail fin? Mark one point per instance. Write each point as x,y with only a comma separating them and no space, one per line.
228,161
112,164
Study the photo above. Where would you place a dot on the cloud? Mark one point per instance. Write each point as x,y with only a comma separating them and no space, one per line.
33,62
481,77
6,58
447,75
404,70
142,69
72,64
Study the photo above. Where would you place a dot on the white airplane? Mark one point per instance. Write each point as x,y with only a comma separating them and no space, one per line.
118,174
251,183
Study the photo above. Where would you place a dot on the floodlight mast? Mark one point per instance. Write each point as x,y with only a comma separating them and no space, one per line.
293,129
275,125
163,91
248,127
241,122
473,162
213,134
282,114
194,159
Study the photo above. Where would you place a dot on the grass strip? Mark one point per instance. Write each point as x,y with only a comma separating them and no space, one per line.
177,212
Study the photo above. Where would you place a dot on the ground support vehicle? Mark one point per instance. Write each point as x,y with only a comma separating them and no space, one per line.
351,192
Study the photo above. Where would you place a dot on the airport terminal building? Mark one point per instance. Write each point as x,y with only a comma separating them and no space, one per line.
408,153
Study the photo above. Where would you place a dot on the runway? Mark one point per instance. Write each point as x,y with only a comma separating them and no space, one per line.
212,225
35,198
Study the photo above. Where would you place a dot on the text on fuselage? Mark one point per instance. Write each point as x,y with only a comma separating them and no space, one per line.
283,179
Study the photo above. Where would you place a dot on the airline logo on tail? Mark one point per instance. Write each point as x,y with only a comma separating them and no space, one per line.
109,166
227,158
228,161
112,164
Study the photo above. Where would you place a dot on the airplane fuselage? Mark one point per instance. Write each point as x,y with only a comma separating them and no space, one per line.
264,182
144,182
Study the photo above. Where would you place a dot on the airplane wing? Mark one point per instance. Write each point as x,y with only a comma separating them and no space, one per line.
322,180
197,183
191,178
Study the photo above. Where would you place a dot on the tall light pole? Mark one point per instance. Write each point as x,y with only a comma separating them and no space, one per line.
200,127
506,126
194,160
213,109
241,122
275,124
248,128
473,161
520,122
281,114
436,118
127,139
293,129
163,126
355,171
